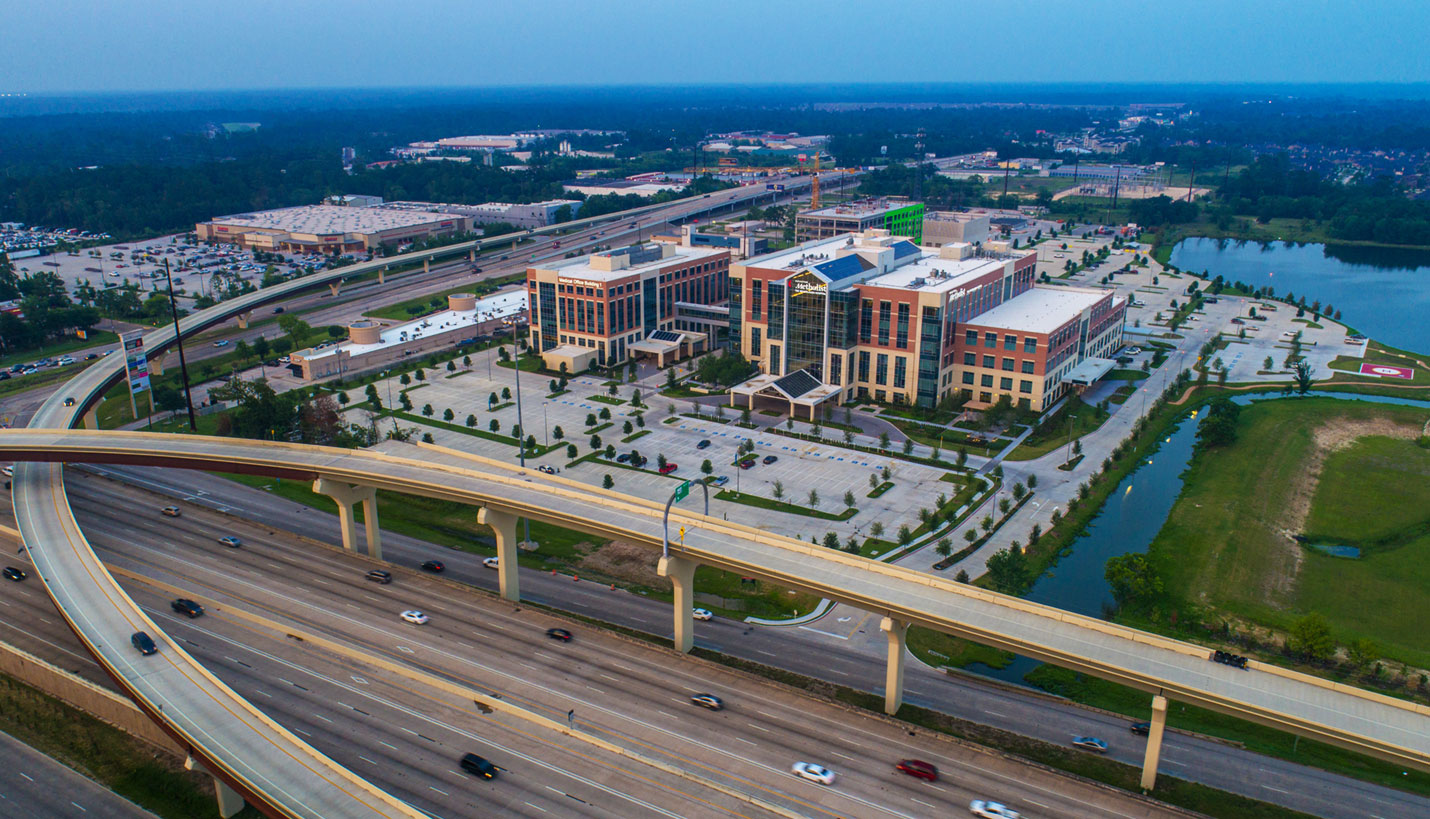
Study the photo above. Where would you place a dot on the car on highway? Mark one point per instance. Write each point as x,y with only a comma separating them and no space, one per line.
1141,729
559,634
415,617
221,343
187,607
12,573
918,769
170,512
1090,744
669,468
69,402
991,810
769,459
702,614
65,361
492,562
9,471
710,701
433,566
379,576
143,642
704,444
813,772
478,766
230,541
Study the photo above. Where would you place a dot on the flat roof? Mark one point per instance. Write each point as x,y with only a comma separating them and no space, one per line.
501,305
327,219
928,265
858,209
580,268
1040,310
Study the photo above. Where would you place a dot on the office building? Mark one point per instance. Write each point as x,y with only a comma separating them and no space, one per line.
659,300
899,217
943,227
875,316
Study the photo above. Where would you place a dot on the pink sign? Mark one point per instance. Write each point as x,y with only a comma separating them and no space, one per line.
1387,371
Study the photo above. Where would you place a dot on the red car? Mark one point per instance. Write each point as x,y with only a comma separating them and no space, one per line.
918,769
669,468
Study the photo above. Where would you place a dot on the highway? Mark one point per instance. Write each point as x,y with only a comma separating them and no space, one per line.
808,650
40,786
629,692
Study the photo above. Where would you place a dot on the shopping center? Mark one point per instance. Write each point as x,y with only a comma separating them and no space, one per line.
875,316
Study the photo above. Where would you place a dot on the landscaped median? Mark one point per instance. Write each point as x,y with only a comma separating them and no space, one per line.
780,506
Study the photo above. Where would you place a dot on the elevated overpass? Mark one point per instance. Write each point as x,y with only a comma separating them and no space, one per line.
1360,720
250,757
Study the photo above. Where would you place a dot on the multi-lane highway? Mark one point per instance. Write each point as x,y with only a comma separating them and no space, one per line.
630,693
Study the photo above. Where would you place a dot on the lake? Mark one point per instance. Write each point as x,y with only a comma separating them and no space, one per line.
1383,292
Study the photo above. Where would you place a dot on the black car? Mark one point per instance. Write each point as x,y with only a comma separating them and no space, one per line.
769,459
473,764
1141,729
703,444
12,573
187,607
433,566
559,634
144,643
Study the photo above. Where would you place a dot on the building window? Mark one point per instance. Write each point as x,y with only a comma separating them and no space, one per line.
755,342
1025,386
1010,342
990,339
863,366
970,360
1008,365
900,363
989,362
1028,366
884,322
757,298
881,373
1030,345
1005,383
985,380
986,397
866,320
835,365
968,378
970,337
902,338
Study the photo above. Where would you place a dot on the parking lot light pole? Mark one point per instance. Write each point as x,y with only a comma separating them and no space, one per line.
1071,419
179,342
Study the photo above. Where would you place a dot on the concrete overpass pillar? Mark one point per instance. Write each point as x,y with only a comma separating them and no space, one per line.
243,319
472,255
334,287
504,528
156,364
229,802
1154,742
347,496
681,571
91,417
426,265
382,275
897,631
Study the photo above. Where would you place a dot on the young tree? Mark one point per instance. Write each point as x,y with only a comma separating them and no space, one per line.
595,442
451,366
571,451
1133,580
849,499
1004,504
986,524
944,547
660,460
883,440
706,468
640,421
607,482
908,446
343,398
970,535
1019,491
745,415
831,540
494,425
531,442
610,451
406,401
962,576
876,529
1008,570
421,376
813,499
1032,481
849,437
557,433
605,413
873,481
886,474
426,408
962,457
1310,638
466,361
590,419
448,415
906,536
635,398
1302,374
779,490
471,420
612,390
506,393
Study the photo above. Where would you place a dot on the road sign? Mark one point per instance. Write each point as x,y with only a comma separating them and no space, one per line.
682,491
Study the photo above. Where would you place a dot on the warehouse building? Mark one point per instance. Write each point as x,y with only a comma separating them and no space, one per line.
875,316
664,301
329,229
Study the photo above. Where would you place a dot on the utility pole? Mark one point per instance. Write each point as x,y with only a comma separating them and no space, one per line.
521,422
179,342
1190,182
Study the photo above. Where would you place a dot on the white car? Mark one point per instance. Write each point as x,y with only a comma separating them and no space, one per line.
991,810
230,541
813,772
414,616
221,343
9,471
491,562
702,614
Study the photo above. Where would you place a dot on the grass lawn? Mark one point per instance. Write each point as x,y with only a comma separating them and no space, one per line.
606,399
781,506
938,649
1054,432
59,348
1377,353
1224,544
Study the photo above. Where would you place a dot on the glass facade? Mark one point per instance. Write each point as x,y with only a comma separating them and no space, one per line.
805,312
930,343
548,315
650,303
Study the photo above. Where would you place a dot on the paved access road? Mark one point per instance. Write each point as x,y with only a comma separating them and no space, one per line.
815,650
32,784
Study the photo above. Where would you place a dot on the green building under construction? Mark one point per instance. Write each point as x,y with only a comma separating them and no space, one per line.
898,216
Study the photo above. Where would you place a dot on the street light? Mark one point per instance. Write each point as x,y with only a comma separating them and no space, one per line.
520,421
1071,418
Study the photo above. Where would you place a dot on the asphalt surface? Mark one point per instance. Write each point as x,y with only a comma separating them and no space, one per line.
32,784
816,649
631,693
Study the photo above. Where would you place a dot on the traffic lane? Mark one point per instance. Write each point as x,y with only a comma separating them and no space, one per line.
782,732
32,784
812,651
374,723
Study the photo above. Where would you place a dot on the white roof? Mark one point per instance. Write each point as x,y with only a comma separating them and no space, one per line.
580,268
1040,310
332,219
502,305
938,275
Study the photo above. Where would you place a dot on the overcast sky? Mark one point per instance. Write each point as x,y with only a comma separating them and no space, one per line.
105,45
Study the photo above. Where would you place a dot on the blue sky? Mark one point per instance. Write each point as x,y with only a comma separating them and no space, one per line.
101,45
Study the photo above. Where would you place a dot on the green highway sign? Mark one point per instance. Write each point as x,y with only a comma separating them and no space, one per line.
682,491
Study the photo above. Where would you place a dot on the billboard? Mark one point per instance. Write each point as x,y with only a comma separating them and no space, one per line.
136,365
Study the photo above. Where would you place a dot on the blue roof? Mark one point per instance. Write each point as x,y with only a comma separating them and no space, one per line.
836,270
902,249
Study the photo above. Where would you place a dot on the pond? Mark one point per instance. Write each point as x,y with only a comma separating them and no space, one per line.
1383,292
